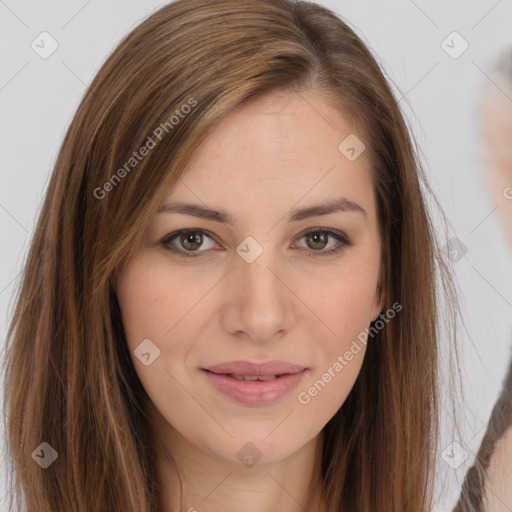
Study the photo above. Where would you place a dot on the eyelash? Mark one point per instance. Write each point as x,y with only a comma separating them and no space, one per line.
343,239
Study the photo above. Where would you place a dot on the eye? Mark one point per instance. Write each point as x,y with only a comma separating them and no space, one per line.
189,241
318,240
186,242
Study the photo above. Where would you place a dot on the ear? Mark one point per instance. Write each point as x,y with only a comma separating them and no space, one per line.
378,302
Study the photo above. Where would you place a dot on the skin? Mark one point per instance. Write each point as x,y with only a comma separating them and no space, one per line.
498,491
497,130
272,155
498,138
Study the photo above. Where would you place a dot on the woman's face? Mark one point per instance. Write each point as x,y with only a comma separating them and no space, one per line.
257,284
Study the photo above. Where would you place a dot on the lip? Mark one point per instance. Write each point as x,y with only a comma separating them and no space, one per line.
259,369
255,392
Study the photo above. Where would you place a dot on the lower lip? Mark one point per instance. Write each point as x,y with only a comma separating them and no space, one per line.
255,392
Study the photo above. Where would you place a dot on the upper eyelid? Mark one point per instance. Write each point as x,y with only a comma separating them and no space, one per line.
175,234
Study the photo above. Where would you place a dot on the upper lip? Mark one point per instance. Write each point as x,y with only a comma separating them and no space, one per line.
257,369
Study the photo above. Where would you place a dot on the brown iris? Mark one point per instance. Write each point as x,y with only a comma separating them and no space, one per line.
318,237
191,240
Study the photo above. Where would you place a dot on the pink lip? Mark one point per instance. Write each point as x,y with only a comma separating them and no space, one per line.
255,392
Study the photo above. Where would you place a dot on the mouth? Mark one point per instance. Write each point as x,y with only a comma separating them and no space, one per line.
247,368
255,384
239,376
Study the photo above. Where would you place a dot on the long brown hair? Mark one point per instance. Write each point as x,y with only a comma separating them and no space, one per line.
69,377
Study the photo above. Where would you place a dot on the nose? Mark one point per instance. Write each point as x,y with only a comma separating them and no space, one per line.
260,305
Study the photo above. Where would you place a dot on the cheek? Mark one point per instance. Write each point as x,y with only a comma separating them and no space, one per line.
150,305
158,323
166,308
344,305
347,308
344,301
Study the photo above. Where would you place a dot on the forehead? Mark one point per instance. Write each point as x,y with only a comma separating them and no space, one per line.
277,149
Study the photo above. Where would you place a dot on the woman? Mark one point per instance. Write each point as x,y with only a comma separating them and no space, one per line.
487,486
220,306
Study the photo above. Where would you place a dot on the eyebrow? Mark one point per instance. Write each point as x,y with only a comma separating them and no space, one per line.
339,205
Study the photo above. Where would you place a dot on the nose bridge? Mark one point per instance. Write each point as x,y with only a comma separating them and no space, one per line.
259,296
258,282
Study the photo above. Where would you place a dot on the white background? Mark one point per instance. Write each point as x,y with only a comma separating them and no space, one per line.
38,98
